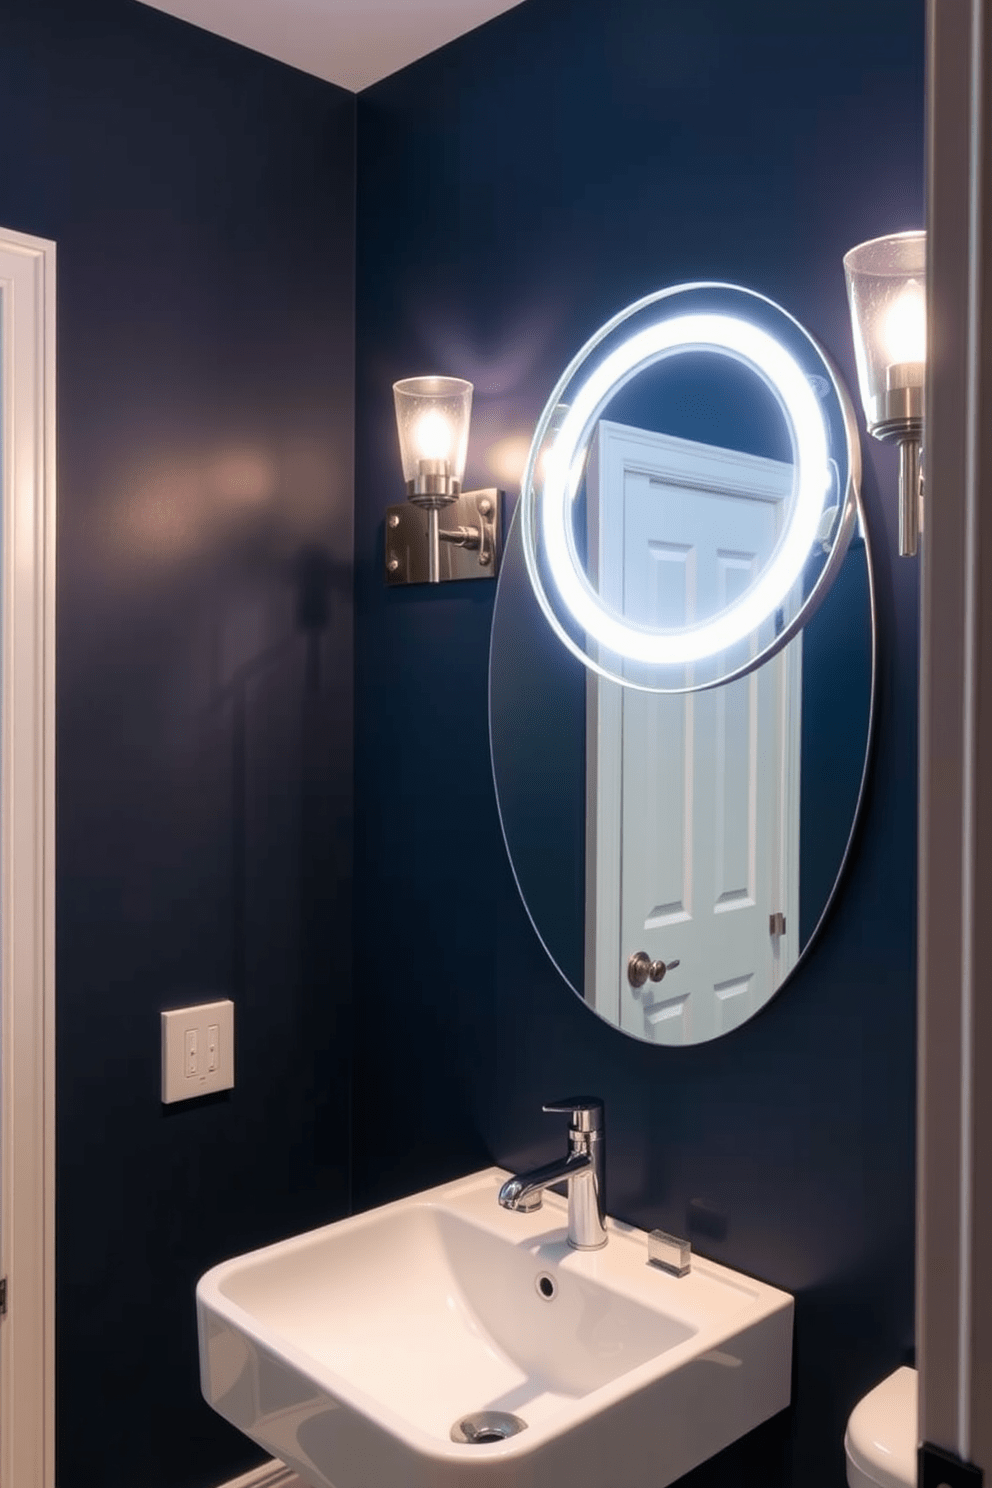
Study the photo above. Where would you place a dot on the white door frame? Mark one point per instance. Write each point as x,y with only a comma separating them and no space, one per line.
27,860
954,1173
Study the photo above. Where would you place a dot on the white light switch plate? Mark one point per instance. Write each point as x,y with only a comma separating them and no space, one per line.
197,1050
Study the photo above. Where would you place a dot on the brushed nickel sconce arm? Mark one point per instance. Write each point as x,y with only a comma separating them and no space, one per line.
469,548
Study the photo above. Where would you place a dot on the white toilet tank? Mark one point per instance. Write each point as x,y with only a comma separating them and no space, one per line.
880,1441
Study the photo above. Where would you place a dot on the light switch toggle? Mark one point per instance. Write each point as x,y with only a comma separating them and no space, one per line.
197,1050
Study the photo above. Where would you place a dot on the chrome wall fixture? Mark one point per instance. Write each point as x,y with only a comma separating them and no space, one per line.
886,288
432,419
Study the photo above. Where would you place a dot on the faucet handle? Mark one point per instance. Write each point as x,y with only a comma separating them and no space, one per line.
586,1111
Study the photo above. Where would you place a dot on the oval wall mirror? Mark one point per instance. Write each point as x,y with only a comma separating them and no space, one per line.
710,828
690,490
678,851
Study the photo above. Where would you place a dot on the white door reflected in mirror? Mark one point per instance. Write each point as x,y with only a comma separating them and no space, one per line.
693,799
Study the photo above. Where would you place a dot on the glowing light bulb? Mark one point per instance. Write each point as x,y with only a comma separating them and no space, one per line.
903,329
432,436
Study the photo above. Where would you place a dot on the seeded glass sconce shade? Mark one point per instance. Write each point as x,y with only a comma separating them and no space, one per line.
432,419
886,287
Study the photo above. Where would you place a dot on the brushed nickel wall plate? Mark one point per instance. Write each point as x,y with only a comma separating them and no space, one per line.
470,533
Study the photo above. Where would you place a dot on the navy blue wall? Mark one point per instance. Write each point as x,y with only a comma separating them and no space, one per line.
515,189
202,200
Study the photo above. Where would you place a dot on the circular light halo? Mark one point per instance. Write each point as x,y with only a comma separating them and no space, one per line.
546,512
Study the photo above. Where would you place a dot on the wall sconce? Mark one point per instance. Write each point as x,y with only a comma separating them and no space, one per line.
432,419
886,287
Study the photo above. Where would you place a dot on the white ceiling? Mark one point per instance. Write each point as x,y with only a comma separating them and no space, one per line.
349,42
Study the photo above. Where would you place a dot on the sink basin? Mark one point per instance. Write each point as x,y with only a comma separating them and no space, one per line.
351,1352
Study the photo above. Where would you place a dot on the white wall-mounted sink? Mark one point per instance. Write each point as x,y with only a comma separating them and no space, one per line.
350,1352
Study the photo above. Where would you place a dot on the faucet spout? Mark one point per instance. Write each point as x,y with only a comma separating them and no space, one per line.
524,1191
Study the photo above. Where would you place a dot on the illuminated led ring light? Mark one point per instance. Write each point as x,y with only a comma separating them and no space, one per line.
565,461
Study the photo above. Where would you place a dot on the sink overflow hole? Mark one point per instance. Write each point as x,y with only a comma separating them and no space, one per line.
486,1427
546,1285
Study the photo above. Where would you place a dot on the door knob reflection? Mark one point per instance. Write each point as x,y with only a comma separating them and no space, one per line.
640,969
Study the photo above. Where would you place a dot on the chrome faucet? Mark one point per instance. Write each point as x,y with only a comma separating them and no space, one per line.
583,1168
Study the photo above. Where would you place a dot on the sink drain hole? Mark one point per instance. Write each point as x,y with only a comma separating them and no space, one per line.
546,1286
485,1427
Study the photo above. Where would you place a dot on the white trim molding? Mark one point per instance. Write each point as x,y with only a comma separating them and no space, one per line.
27,860
954,1203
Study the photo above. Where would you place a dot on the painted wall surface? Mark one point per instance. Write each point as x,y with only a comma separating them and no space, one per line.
515,190
202,200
